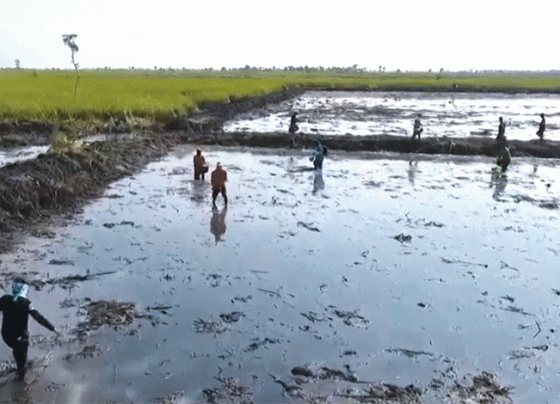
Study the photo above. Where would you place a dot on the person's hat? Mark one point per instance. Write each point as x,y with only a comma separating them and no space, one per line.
219,164
19,279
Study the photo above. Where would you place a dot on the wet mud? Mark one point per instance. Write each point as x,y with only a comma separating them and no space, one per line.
384,276
310,293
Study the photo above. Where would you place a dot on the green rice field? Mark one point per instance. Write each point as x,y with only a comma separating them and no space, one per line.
158,95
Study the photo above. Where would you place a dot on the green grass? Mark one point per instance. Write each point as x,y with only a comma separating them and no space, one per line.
104,95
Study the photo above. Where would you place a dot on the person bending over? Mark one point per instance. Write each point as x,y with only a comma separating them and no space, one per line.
504,158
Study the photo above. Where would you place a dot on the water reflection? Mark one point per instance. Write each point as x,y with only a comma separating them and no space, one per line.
218,223
318,182
412,170
498,181
199,191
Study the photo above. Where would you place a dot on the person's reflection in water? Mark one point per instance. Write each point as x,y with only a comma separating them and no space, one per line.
218,223
318,182
199,191
498,181
20,393
412,169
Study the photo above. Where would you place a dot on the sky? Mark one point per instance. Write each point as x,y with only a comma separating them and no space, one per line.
413,35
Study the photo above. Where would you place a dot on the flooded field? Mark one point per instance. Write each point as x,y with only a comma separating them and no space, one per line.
390,268
455,115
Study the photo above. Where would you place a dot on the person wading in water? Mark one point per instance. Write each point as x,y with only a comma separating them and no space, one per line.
542,127
219,179
16,309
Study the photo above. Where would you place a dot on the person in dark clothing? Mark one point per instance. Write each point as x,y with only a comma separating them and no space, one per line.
501,130
318,154
16,309
293,128
293,124
542,127
417,128
504,158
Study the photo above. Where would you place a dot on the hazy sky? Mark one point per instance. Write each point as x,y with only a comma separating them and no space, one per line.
406,35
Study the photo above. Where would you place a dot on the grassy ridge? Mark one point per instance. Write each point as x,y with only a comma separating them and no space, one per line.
158,95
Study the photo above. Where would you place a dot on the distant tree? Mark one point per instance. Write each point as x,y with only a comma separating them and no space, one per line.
17,63
68,40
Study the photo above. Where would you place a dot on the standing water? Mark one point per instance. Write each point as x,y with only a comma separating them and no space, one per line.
454,115
399,267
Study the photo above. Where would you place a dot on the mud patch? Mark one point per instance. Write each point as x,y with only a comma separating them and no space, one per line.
230,392
325,385
111,313
209,326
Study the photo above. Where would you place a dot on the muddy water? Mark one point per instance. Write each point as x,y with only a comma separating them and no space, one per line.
396,266
21,154
393,113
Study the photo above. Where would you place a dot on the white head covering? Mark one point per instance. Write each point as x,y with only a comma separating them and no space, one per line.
19,288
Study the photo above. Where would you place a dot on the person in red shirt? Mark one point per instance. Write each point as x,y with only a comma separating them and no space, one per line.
200,166
218,180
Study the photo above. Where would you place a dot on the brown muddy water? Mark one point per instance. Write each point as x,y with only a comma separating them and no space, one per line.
454,115
397,268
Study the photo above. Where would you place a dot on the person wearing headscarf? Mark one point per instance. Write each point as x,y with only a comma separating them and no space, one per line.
16,309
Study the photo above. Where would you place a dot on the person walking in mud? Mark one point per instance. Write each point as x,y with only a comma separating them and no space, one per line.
218,180
504,158
200,167
16,309
293,128
542,127
318,155
417,128
501,131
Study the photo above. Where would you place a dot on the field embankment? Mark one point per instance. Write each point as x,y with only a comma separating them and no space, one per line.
32,192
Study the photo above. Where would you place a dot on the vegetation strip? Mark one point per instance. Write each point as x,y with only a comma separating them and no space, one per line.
105,96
